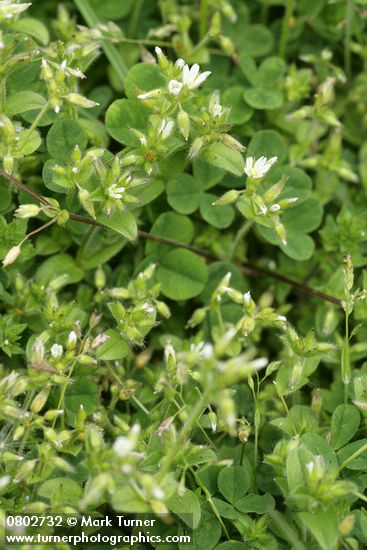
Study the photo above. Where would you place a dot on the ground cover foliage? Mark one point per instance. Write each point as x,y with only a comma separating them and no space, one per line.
183,235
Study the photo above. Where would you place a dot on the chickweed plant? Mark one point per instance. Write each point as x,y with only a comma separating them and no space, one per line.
183,241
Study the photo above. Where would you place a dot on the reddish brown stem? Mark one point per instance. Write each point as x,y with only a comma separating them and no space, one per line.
247,269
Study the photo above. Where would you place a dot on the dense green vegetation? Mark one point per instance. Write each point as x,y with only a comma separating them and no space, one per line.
183,237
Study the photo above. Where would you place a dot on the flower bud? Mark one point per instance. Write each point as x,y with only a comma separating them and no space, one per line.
183,123
228,198
196,147
346,525
80,101
233,143
25,211
227,45
11,256
40,400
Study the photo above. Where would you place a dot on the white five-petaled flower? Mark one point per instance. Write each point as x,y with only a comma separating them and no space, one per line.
115,192
174,87
192,77
256,169
56,351
8,8
123,446
165,128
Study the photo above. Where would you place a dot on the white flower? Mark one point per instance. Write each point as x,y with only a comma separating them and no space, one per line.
217,110
174,87
247,298
4,481
56,351
310,467
275,208
8,9
72,338
115,192
25,211
192,78
180,63
158,493
166,127
257,169
123,446
158,51
281,318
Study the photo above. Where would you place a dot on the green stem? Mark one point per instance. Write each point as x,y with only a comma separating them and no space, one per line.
200,44
285,27
210,501
345,356
348,35
284,403
352,457
38,119
135,18
109,49
181,440
203,17
239,236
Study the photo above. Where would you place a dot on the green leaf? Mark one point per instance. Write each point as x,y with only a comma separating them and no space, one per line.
172,226
62,138
199,455
115,347
20,102
304,218
344,425
128,500
358,463
182,273
122,222
34,27
68,489
184,193
240,112
271,71
221,156
81,392
225,509
324,527
110,9
255,504
262,98
233,483
299,183
141,78
124,114
255,40
232,545
296,468
27,144
268,143
186,507
57,267
318,446
208,533
218,216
